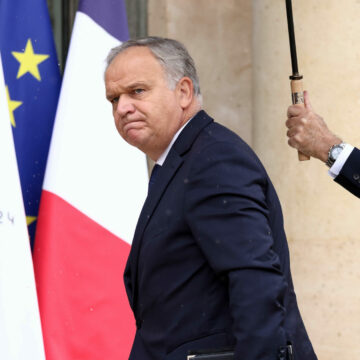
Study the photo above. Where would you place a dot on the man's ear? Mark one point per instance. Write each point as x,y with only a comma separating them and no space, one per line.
185,91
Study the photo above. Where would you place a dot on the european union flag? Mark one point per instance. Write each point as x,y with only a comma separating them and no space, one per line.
32,79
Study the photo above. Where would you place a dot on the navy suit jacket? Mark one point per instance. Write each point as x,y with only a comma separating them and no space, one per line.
209,265
349,176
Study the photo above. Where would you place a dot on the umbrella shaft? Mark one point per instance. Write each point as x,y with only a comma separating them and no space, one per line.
290,20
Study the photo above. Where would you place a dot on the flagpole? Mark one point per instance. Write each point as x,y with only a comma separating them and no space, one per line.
65,25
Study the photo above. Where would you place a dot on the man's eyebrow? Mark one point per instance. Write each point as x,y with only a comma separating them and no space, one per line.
128,87
136,84
109,96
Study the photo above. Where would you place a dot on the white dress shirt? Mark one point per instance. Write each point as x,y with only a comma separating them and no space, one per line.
340,161
163,156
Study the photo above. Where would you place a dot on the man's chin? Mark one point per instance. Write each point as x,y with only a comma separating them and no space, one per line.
134,138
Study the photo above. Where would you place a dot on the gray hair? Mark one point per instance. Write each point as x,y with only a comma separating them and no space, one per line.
172,56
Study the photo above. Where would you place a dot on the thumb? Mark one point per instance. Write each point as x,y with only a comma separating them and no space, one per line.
307,102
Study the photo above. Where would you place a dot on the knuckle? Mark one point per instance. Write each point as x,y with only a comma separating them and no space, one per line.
303,120
298,138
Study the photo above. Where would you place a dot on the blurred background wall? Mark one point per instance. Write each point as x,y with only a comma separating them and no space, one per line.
242,54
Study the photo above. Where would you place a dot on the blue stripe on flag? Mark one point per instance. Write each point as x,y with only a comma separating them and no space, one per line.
114,22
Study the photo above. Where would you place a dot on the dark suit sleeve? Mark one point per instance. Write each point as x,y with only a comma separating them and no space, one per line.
229,217
349,176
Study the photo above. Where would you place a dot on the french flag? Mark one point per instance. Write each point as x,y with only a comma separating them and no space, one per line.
94,188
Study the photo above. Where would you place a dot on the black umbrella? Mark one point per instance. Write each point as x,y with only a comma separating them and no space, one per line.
297,92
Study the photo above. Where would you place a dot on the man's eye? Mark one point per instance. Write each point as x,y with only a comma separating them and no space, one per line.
138,91
114,100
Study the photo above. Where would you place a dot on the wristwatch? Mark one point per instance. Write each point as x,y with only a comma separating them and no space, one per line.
334,153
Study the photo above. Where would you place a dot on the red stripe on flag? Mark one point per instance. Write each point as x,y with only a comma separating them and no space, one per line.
79,269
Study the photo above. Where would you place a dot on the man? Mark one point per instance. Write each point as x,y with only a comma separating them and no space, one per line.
309,134
209,264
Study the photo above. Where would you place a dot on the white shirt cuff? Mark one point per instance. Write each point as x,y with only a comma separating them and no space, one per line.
340,161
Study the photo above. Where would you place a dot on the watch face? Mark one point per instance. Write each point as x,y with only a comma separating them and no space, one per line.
336,151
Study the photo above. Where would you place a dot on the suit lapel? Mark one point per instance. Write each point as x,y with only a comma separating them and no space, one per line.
165,175
168,170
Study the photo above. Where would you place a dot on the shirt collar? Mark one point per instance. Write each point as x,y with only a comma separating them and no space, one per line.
160,161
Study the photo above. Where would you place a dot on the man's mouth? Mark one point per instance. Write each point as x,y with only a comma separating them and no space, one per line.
132,125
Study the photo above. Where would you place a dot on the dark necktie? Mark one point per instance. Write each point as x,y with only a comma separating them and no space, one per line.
154,174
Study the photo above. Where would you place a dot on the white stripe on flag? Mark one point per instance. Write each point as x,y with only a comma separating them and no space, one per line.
90,165
20,330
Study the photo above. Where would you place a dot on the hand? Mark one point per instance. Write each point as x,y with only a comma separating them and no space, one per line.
308,132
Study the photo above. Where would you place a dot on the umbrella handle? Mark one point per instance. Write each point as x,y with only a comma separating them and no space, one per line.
297,95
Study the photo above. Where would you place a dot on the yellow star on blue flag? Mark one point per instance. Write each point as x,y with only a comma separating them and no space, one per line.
13,105
29,61
33,80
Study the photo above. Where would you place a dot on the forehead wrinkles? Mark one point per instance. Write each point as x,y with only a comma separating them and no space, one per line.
126,78
137,61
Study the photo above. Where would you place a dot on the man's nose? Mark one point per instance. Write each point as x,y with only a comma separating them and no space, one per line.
125,105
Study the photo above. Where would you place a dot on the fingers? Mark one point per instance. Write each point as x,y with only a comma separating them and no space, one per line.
295,110
292,143
297,139
296,121
289,123
307,102
299,110
291,132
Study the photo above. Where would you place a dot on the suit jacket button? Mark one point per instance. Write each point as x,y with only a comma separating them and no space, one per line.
356,177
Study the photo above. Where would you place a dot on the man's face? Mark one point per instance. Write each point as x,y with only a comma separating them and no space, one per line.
147,113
